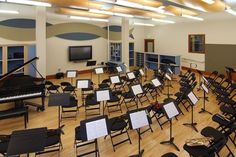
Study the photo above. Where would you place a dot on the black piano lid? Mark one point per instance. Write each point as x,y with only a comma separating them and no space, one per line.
16,69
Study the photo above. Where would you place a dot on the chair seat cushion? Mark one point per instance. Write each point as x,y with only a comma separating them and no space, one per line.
53,137
198,151
169,155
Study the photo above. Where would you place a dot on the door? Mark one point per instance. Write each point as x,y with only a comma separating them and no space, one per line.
149,45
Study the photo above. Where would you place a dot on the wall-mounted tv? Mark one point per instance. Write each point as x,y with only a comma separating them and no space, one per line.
79,53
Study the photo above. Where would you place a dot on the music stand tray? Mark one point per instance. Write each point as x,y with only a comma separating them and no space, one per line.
27,141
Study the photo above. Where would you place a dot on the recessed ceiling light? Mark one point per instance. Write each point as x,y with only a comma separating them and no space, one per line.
162,21
192,17
100,11
29,2
9,12
208,1
123,15
78,7
88,19
230,11
144,24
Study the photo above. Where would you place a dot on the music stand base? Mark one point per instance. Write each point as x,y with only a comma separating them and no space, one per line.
138,155
204,110
193,125
171,142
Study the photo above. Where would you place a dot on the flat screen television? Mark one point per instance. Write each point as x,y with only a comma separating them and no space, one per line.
79,53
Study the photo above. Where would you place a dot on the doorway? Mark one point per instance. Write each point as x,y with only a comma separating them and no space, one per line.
149,45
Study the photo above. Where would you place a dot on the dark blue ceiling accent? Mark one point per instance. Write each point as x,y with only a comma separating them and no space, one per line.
78,36
20,23
114,28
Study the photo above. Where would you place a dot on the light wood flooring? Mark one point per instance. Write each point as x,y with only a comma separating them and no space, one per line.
150,141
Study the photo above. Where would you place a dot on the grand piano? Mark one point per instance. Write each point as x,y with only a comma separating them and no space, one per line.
18,88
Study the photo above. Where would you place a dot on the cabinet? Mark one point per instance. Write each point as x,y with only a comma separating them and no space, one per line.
140,59
158,60
115,52
15,58
131,54
12,56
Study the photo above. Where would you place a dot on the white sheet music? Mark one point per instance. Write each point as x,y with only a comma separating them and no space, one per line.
204,88
96,129
99,70
170,70
127,68
118,69
82,84
205,79
168,77
103,95
156,82
71,74
115,79
137,89
141,72
193,98
131,75
171,110
139,119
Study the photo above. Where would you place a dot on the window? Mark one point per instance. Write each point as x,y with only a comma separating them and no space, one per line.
196,43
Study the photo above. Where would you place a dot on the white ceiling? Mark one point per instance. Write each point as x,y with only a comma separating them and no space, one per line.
29,12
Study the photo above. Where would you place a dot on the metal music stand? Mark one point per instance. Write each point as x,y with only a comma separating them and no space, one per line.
83,84
61,99
205,90
193,101
171,111
99,71
102,96
156,83
93,128
91,64
27,141
137,119
71,74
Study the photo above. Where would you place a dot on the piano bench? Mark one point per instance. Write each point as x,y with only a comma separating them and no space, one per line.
15,112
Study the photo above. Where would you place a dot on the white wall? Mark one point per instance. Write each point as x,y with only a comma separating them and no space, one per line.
174,38
57,51
57,54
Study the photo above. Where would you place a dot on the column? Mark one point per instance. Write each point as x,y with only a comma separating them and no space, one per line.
41,39
125,41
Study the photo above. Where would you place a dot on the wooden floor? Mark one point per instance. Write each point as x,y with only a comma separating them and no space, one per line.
150,141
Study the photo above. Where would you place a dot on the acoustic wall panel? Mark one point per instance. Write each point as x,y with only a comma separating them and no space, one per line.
218,56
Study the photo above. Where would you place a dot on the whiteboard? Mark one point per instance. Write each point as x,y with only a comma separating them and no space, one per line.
139,119
96,129
171,110
193,98
115,79
156,82
99,70
137,89
103,95
131,75
118,69
82,83
71,73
